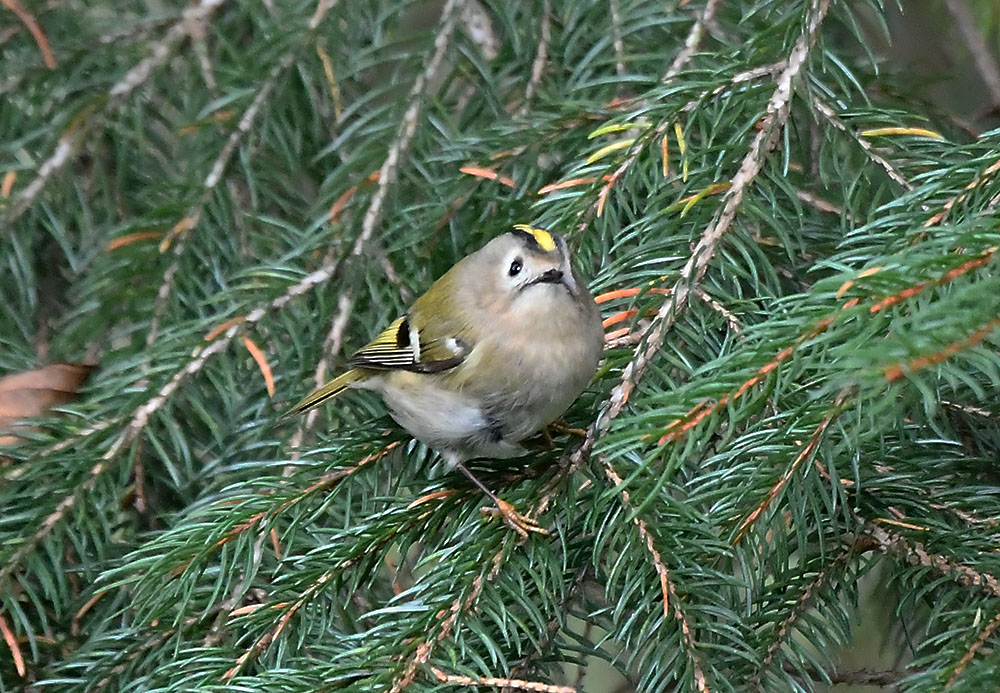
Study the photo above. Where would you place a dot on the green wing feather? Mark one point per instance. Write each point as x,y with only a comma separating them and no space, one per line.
328,391
394,349
437,349
390,350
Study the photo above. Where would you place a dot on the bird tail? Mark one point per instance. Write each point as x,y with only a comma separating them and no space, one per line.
328,391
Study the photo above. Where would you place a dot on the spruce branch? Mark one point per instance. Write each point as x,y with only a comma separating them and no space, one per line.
671,600
116,97
553,628
694,269
448,618
860,677
916,554
541,54
389,169
785,629
831,117
142,415
795,260
693,40
384,178
806,451
697,263
985,633
978,180
178,235
515,684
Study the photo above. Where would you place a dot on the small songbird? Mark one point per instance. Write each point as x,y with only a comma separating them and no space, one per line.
497,349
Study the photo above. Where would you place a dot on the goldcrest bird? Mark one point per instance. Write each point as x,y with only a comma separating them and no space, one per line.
497,349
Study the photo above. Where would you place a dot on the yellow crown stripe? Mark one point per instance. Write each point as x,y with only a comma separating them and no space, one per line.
544,239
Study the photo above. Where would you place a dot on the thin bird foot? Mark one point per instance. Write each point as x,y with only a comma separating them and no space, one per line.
561,426
515,520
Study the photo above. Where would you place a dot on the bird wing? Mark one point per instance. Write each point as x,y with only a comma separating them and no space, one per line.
431,348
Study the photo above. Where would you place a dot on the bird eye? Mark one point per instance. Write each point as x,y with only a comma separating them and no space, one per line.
515,267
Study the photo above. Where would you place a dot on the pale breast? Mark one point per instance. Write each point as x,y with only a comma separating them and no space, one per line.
445,418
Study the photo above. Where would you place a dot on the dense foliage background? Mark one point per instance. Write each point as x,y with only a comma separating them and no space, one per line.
789,474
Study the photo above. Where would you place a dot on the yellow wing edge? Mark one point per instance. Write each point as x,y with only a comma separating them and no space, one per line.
326,392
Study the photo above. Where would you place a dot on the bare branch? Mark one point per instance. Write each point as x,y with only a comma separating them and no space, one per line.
693,39
541,55
973,39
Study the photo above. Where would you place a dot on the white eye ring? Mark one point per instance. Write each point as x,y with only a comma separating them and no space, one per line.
515,267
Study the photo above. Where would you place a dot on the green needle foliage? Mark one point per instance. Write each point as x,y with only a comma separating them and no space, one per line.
797,405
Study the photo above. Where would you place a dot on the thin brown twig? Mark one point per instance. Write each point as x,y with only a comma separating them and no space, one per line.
7,33
291,608
325,483
970,409
697,264
805,452
264,641
516,684
131,31
859,677
322,7
135,654
693,39
387,176
139,501
201,354
833,119
915,554
979,179
656,134
784,629
408,126
459,605
972,38
88,431
478,26
771,70
31,23
985,634
820,204
143,413
671,602
541,55
731,319
226,607
199,40
319,377
616,37
552,628
335,338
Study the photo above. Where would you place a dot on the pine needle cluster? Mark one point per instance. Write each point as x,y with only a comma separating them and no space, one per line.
216,202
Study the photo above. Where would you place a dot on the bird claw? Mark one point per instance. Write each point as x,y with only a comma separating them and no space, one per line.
519,523
561,426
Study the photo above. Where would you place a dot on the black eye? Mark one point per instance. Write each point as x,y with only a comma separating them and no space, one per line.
515,267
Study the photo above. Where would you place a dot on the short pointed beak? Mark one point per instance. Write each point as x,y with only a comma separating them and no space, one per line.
552,276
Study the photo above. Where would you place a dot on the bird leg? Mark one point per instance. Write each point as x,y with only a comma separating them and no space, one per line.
513,519
560,426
